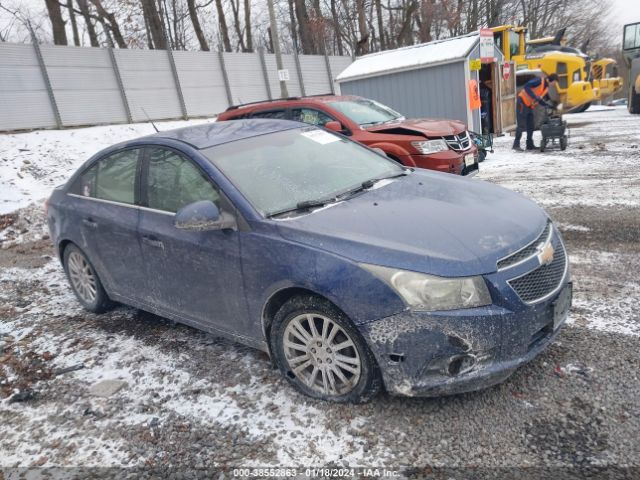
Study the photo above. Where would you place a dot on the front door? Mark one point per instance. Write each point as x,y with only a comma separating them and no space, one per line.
196,275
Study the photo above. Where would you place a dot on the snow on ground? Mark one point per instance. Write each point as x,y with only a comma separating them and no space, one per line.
33,163
176,404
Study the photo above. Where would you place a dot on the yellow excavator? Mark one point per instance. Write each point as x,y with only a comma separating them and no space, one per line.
574,88
603,72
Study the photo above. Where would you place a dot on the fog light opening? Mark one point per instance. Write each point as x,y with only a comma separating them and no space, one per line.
460,364
395,358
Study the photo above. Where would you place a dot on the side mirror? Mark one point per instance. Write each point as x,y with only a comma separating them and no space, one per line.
334,126
202,216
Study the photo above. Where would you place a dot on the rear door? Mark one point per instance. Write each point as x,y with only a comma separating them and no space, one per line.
104,201
196,275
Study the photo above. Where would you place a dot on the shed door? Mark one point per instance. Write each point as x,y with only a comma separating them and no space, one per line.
507,92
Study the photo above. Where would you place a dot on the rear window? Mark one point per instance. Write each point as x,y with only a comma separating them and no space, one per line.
111,178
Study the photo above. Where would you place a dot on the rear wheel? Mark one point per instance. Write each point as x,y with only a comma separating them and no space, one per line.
563,142
84,280
543,144
321,353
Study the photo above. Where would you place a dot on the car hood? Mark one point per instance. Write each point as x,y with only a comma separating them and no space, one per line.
422,126
427,222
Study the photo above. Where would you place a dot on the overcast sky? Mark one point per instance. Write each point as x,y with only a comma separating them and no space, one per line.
626,11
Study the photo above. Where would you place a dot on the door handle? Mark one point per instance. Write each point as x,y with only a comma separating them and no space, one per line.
152,241
90,222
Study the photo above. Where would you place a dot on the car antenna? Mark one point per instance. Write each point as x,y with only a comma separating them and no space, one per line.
149,118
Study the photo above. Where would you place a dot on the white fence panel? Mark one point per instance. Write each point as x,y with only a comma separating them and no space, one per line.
338,64
149,84
244,71
288,63
314,74
24,102
84,85
202,83
87,91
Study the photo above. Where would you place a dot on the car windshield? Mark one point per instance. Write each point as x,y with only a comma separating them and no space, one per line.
283,171
366,112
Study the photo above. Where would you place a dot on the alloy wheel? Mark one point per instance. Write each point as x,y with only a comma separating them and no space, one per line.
321,354
82,277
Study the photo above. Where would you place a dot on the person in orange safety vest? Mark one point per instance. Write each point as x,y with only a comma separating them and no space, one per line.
530,96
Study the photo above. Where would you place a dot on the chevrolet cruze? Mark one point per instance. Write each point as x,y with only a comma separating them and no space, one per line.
353,272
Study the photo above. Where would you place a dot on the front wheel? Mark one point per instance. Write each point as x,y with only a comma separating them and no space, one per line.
321,353
84,280
543,144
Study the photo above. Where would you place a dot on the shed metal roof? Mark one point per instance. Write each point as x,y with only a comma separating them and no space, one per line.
409,58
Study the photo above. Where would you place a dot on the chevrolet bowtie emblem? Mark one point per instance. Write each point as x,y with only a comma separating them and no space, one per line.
545,254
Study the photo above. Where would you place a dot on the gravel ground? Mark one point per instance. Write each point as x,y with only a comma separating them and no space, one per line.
190,400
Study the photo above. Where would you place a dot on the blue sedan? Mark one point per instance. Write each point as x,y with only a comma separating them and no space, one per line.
352,272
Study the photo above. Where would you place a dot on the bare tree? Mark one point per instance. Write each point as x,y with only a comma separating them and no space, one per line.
57,22
152,16
86,14
224,30
193,13
112,23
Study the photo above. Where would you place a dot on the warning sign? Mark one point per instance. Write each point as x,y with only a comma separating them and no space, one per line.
486,45
475,64
506,71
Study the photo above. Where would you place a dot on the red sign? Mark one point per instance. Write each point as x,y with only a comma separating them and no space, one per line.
506,71
486,45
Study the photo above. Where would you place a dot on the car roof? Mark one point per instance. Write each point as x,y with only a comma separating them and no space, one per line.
216,133
279,102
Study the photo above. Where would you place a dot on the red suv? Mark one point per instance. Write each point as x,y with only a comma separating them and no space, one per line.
443,145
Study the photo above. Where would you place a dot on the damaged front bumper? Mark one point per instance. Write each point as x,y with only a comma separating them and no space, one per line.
433,354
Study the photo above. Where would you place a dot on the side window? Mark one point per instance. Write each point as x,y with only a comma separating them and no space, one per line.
563,78
111,178
310,116
275,114
173,182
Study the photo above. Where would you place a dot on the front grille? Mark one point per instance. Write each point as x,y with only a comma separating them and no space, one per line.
527,251
544,280
459,142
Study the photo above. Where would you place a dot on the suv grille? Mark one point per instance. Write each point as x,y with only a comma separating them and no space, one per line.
542,281
527,251
458,142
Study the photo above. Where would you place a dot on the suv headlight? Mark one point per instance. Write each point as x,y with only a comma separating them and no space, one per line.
428,292
430,146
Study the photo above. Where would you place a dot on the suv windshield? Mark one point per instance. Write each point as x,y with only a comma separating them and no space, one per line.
366,112
282,171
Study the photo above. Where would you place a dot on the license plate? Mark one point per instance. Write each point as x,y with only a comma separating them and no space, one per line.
561,306
469,159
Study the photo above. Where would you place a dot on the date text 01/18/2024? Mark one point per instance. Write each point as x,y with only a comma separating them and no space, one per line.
373,472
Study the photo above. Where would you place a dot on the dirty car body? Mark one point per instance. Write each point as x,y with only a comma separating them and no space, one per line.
373,253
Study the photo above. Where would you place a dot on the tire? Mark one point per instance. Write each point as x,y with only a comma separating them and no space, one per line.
84,280
543,144
563,142
482,154
634,101
351,376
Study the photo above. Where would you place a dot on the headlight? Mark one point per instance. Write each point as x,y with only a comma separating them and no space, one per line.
428,292
430,146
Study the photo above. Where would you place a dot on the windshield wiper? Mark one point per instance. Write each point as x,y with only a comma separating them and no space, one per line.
310,204
304,206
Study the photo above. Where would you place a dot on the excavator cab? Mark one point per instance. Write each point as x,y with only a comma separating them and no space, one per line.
574,87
